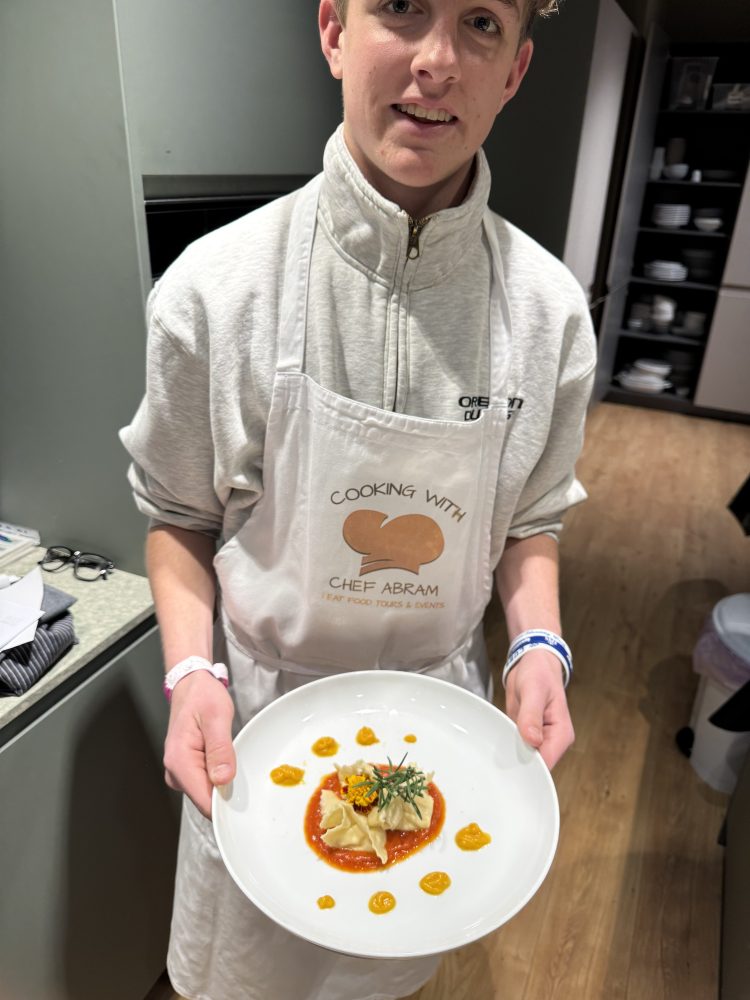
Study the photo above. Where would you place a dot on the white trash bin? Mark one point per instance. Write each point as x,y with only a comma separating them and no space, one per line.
722,658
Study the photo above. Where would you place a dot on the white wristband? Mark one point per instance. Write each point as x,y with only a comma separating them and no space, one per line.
540,639
188,666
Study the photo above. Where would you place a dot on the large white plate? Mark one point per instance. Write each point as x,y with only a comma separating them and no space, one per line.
485,771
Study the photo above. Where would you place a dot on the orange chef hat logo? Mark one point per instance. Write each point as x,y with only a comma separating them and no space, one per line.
407,542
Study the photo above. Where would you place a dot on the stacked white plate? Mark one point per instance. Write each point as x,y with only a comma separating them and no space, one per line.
665,270
671,216
641,381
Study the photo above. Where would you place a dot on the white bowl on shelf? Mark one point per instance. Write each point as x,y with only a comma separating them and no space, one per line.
708,225
651,366
676,171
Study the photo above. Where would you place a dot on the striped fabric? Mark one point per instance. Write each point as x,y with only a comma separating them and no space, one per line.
23,665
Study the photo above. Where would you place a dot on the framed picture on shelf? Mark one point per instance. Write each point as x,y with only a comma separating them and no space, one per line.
690,82
731,97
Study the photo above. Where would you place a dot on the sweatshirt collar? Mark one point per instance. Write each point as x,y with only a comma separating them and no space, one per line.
373,232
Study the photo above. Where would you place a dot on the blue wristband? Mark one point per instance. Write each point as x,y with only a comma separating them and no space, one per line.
540,639
543,635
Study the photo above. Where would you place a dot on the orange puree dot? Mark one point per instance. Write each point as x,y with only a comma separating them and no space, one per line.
287,775
326,902
435,883
366,737
326,746
472,837
382,902
410,738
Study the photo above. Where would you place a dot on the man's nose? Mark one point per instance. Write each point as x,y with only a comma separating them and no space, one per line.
437,55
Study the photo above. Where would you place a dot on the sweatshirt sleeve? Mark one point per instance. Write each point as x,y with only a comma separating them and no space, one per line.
552,487
170,440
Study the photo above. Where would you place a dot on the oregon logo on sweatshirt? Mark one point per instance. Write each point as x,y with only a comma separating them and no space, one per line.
473,406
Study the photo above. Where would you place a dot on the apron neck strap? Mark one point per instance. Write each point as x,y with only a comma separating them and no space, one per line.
500,323
293,317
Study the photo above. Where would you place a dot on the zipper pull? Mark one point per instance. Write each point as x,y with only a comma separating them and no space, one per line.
415,229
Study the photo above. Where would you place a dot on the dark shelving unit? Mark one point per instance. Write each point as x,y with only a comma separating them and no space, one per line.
683,232
636,279
664,339
713,139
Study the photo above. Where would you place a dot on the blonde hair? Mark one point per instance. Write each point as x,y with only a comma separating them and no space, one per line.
534,9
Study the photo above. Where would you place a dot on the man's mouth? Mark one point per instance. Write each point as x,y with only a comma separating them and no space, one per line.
424,114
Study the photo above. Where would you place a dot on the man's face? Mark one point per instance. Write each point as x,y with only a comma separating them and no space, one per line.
422,81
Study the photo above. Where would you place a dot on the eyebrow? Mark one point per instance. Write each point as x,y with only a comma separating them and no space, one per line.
512,5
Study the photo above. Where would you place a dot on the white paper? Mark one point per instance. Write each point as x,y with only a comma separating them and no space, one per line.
15,620
23,596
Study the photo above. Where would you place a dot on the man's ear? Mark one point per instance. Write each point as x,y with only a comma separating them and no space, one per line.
331,37
517,72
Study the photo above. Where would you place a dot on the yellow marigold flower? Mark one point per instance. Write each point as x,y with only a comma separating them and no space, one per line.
357,790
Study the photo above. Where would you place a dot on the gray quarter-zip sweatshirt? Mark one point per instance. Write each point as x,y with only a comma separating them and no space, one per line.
400,328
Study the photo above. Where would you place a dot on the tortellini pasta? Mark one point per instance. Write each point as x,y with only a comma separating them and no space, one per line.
356,830
400,815
347,828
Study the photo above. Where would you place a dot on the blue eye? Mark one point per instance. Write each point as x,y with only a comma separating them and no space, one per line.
486,25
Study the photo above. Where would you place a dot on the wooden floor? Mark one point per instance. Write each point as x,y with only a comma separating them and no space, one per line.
631,907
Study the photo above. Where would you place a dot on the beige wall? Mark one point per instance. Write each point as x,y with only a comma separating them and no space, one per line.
612,42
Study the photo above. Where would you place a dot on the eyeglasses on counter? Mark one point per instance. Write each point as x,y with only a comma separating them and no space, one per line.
87,566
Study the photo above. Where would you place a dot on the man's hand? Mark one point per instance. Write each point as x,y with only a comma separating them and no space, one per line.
535,700
198,752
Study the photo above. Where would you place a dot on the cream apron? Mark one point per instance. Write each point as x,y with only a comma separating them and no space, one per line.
369,548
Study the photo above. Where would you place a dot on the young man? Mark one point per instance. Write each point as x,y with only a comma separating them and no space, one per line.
341,352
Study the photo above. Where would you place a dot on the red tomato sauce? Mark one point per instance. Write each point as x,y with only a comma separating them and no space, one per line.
399,844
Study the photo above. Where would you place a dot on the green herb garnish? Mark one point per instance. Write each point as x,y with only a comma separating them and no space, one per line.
405,782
